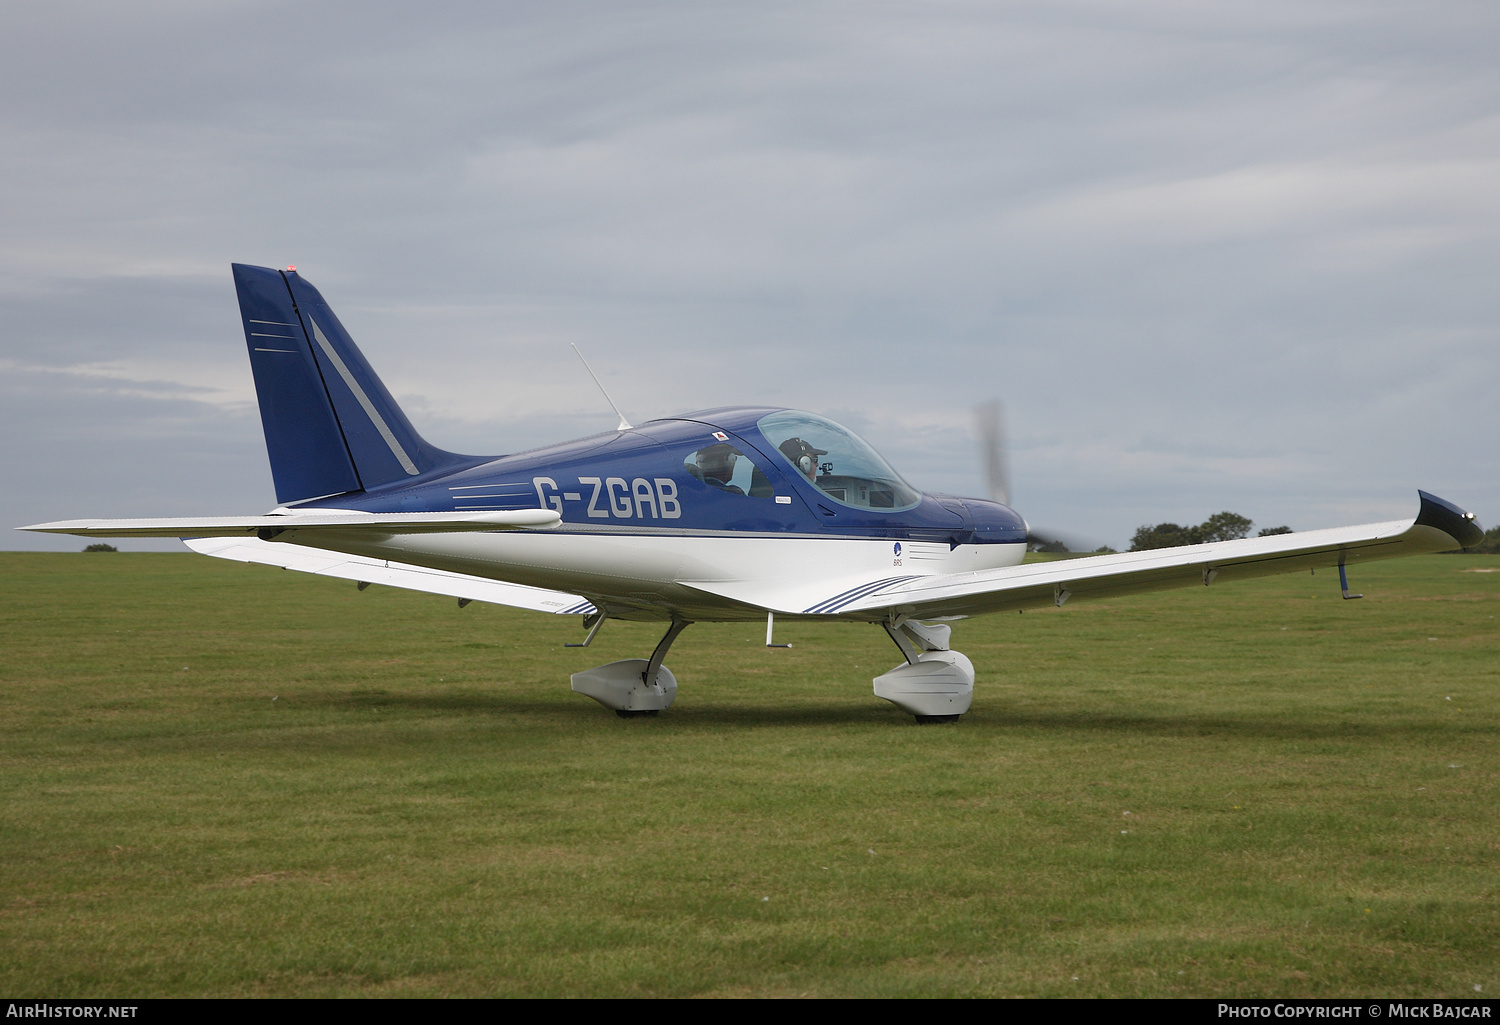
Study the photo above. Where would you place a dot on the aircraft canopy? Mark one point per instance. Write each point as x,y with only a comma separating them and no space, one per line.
842,465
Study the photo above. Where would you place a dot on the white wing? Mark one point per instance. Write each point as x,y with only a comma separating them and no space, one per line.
312,520
1439,527
393,574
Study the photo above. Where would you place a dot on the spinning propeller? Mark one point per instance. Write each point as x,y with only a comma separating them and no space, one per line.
989,422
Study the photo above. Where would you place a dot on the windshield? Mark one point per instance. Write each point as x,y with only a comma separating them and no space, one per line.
838,461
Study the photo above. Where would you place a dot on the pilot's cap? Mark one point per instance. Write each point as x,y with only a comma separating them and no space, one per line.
802,455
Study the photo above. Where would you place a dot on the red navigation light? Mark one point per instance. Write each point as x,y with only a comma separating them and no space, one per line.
291,267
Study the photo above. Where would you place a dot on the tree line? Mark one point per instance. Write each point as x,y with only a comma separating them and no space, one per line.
1228,526
1224,526
1489,546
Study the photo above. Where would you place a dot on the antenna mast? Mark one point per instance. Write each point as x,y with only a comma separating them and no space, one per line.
624,423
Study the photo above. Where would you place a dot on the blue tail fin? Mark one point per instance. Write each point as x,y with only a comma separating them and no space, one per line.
331,426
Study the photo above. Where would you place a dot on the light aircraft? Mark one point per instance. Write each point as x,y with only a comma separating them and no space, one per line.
733,514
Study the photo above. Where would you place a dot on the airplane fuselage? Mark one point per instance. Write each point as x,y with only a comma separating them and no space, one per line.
648,529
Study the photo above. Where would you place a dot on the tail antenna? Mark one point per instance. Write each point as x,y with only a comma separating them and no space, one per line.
624,423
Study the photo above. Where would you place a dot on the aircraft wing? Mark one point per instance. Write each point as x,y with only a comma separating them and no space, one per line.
1439,527
393,574
267,527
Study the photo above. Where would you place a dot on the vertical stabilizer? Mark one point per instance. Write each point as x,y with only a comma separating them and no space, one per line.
331,426
303,439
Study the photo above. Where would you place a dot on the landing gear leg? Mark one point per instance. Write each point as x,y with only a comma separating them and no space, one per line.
935,685
634,686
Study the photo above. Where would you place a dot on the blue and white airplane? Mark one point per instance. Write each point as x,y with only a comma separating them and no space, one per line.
734,514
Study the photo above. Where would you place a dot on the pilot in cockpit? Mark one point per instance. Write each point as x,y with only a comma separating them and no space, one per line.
716,464
803,456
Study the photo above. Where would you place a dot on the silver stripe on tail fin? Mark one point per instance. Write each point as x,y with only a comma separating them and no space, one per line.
364,401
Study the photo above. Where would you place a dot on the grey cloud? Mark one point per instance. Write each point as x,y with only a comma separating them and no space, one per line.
1210,256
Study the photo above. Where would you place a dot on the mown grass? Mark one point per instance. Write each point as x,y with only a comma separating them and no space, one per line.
230,780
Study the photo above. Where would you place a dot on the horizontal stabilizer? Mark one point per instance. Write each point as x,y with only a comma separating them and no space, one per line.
392,574
304,523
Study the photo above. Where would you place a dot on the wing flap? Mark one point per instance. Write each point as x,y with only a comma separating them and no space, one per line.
392,574
275,524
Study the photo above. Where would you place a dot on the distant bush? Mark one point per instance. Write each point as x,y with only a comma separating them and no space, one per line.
1224,526
1161,535
101,548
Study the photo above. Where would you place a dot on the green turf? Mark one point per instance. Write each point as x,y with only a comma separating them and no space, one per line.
424,808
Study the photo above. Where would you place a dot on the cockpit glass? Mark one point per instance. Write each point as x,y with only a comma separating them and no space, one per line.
838,461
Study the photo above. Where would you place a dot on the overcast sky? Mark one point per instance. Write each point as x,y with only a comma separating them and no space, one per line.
1209,256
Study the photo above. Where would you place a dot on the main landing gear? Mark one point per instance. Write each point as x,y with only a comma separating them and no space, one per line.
935,685
634,686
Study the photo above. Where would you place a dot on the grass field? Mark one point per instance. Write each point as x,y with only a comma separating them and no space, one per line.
231,780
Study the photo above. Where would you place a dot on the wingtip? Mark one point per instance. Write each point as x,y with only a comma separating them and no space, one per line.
1443,515
55,527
